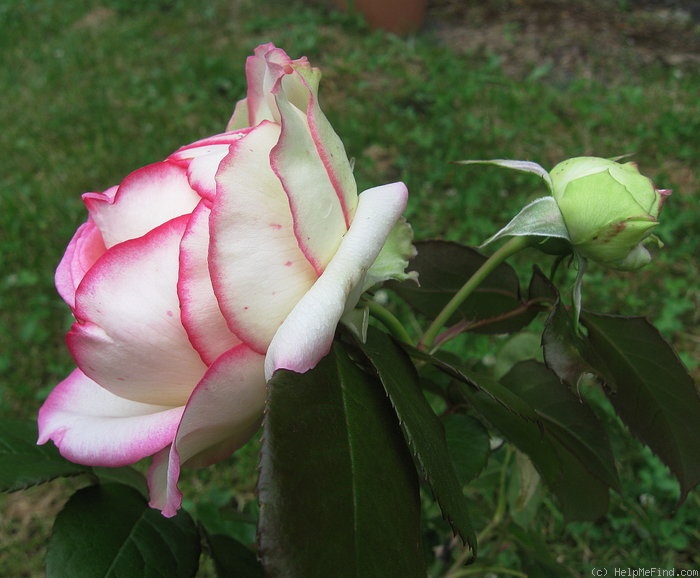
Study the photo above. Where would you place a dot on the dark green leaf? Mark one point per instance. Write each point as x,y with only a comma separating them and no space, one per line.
468,442
23,463
573,462
569,421
490,387
443,267
421,428
653,392
566,353
338,490
109,531
449,365
541,288
232,559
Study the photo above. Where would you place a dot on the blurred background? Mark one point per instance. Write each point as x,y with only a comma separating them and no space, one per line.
92,90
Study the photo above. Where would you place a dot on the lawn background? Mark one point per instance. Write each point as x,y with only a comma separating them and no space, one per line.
94,90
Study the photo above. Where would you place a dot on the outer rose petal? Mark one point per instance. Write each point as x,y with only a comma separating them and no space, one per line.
94,427
145,199
128,336
84,249
201,316
312,165
257,269
223,413
307,333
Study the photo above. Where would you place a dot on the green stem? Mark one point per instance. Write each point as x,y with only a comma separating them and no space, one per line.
512,246
389,321
501,501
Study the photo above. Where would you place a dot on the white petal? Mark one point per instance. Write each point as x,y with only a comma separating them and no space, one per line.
307,334
201,316
145,199
92,426
313,167
201,160
223,413
257,269
128,336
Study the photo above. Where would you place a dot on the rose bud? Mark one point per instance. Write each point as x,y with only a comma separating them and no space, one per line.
609,209
197,277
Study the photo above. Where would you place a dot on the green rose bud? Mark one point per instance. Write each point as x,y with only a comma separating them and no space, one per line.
603,210
609,209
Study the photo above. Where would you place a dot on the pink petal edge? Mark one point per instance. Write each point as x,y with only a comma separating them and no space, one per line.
145,199
92,426
128,335
199,309
82,252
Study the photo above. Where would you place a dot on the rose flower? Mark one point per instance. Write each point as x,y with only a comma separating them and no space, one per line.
197,277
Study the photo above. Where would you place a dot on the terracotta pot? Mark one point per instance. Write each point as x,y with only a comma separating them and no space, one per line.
397,16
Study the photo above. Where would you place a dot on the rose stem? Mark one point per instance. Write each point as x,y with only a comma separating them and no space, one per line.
509,248
389,321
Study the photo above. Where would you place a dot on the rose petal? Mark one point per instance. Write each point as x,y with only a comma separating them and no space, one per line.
201,316
201,160
203,166
263,70
307,333
92,426
221,416
128,336
145,199
84,249
257,269
192,150
312,165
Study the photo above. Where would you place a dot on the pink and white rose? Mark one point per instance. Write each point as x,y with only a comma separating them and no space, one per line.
197,277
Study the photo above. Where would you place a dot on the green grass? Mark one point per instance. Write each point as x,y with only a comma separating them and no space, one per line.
92,91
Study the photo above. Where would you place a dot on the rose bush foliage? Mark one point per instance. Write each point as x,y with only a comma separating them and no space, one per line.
197,277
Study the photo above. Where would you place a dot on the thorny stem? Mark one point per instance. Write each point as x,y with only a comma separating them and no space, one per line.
511,247
466,325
